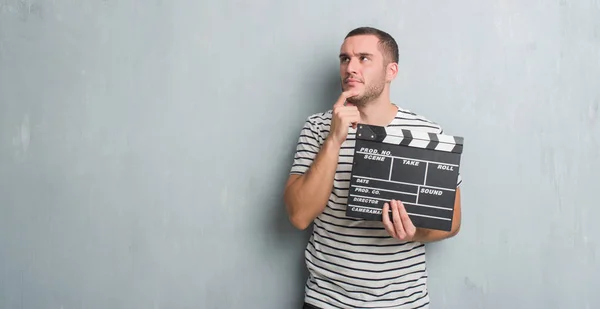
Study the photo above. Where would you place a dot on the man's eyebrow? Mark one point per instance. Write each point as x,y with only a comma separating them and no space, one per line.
343,55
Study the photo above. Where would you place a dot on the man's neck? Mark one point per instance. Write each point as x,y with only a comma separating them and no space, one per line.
380,112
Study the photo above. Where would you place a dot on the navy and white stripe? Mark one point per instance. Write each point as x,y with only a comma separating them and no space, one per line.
354,263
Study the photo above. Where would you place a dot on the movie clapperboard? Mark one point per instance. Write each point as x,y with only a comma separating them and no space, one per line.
418,168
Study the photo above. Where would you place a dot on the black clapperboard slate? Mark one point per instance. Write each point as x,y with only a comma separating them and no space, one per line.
419,169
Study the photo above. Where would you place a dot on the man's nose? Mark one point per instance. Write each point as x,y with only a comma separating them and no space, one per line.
352,66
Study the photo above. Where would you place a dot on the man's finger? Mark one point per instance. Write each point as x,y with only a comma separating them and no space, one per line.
345,95
398,227
353,114
341,100
387,223
348,110
350,114
409,227
355,121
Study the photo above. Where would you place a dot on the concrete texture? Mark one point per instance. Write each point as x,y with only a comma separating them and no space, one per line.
126,179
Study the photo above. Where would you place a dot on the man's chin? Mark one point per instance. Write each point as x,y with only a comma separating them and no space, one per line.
356,100
354,89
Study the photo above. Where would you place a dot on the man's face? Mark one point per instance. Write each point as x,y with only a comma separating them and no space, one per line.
362,68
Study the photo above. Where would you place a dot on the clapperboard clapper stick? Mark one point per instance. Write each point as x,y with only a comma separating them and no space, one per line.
419,169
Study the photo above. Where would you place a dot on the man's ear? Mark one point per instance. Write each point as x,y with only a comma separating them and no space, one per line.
392,71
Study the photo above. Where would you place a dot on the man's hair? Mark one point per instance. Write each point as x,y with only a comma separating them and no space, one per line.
386,41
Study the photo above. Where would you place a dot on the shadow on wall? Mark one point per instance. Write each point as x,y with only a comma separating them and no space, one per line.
332,88
288,240
286,237
325,95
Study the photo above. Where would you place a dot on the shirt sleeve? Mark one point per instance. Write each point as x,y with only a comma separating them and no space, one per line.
307,148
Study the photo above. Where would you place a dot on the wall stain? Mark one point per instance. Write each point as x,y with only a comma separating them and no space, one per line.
22,139
24,8
593,111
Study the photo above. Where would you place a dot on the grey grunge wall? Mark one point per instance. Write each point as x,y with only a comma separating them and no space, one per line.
127,178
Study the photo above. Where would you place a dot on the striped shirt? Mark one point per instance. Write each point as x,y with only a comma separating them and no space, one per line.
354,263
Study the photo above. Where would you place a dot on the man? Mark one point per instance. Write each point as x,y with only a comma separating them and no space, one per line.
355,263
